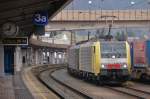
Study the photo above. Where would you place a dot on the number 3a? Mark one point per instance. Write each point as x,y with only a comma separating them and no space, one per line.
39,18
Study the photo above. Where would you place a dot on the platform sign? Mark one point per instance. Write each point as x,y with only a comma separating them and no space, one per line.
40,18
15,41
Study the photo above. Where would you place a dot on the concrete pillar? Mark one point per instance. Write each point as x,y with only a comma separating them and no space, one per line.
18,59
36,56
46,56
54,58
27,61
40,56
1,60
63,57
30,55
51,57
33,56
43,56
60,58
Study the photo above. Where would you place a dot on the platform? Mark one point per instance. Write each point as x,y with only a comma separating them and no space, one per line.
38,90
24,85
12,87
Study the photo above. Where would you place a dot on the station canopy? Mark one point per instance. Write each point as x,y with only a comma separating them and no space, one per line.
21,11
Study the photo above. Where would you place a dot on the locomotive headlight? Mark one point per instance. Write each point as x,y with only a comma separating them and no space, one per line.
113,56
125,66
103,66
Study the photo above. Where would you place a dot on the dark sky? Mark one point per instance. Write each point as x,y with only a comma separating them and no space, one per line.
109,4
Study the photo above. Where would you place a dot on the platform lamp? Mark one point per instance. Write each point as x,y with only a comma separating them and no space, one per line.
132,2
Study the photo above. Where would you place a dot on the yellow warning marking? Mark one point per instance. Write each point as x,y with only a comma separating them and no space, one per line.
35,87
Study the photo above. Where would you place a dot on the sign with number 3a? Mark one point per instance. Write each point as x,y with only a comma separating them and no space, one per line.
40,18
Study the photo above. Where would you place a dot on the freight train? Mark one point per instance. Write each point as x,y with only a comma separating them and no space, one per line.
100,61
140,59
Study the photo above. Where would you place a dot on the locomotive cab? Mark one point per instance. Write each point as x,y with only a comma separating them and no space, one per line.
114,58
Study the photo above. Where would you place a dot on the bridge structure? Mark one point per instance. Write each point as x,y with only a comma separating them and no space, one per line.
91,19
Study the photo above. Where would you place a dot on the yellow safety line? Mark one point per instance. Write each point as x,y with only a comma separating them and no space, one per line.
35,87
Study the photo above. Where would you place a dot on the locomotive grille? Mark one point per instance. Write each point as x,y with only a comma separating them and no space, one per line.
116,72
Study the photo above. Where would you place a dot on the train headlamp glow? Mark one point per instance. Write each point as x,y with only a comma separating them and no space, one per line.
113,56
125,66
103,66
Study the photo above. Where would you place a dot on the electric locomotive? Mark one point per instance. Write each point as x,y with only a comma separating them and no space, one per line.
100,61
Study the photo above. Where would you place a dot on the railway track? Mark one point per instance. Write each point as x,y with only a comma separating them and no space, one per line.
59,88
92,96
140,94
65,91
70,88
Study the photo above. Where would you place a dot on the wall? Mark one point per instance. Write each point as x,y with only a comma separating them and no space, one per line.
18,59
1,60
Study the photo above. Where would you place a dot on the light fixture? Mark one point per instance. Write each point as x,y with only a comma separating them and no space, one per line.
55,55
132,2
90,2
59,56
44,54
48,54
47,35
65,37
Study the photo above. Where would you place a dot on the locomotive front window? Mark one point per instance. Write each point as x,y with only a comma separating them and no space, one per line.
109,49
